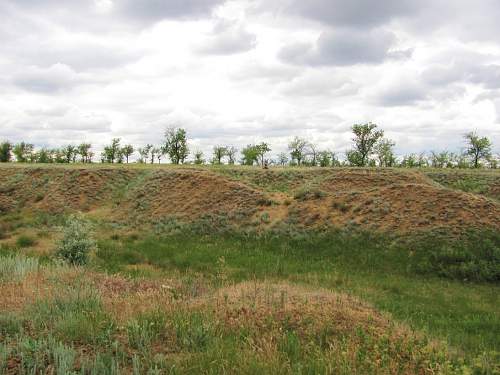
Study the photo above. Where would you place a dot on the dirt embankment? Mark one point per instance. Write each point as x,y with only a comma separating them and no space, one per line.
387,200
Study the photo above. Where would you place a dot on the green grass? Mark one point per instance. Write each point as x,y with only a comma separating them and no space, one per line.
372,267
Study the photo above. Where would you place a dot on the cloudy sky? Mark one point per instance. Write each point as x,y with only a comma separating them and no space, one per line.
242,71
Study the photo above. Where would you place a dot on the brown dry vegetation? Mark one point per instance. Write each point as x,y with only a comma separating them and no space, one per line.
388,200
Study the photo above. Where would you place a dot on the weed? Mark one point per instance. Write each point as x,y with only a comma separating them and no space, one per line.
145,329
25,241
194,331
265,218
307,193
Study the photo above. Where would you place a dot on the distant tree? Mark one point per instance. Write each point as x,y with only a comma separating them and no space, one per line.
175,145
44,156
262,149
127,151
112,153
477,148
297,148
385,153
231,152
5,152
354,158
250,155
365,138
144,153
198,158
282,159
439,159
159,152
325,158
313,153
23,152
218,154
84,151
70,153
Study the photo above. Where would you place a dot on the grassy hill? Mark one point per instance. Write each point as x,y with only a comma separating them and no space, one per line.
244,270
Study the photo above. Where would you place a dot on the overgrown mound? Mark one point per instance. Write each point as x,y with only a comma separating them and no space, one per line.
391,200
57,190
190,195
252,327
380,199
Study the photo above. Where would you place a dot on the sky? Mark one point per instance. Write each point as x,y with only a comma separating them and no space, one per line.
234,72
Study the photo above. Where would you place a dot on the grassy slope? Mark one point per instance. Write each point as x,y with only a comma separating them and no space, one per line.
370,267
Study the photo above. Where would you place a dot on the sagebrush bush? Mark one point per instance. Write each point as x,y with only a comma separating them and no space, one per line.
77,242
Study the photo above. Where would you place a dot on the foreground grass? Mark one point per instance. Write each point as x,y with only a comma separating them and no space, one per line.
75,321
464,314
226,303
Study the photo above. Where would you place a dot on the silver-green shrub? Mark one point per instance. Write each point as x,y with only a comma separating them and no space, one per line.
77,242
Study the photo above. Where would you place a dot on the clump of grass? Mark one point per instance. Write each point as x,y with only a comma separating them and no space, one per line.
16,268
307,193
265,217
341,206
145,329
194,331
25,241
76,314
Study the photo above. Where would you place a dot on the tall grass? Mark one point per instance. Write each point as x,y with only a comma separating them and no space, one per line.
16,267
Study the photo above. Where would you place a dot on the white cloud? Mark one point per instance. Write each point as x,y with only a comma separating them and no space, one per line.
242,71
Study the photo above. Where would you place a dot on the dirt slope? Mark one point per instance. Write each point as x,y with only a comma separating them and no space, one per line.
388,200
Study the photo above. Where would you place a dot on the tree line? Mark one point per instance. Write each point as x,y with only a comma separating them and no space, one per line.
369,149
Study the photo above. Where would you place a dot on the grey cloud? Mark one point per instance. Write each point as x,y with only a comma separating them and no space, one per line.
401,94
487,75
342,47
358,13
320,84
228,38
58,77
156,10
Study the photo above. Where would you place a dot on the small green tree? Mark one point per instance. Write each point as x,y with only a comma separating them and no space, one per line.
365,138
219,153
144,153
77,242
282,159
127,151
44,156
175,145
478,148
262,149
84,151
250,155
23,152
198,158
385,153
5,152
325,158
112,153
297,148
231,152
439,159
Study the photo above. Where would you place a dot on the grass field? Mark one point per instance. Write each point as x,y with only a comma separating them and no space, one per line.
197,295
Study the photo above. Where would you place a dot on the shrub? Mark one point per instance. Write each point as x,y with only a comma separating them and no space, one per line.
308,193
77,242
25,241
473,257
